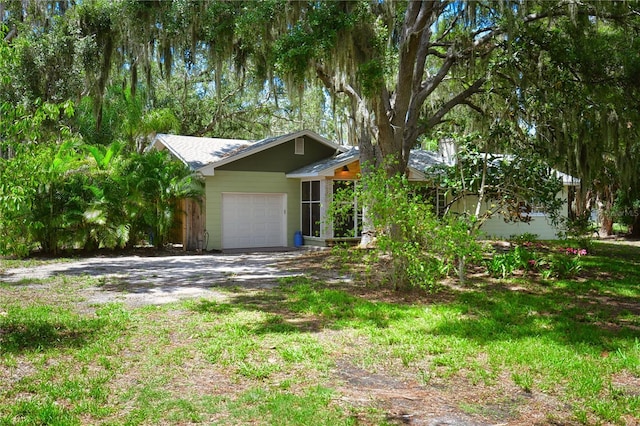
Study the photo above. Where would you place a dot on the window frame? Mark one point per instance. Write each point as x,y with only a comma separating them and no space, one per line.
310,208
298,146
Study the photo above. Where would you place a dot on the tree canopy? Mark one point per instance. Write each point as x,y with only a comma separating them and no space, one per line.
556,79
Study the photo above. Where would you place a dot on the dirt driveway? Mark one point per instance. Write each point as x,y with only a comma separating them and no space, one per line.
152,280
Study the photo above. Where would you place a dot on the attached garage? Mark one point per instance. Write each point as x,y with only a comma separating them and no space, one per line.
254,220
249,201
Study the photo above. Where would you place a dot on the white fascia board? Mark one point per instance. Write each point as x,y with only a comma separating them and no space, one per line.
319,138
327,172
208,170
308,175
301,175
247,152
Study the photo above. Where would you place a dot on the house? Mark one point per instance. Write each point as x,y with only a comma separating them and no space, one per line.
260,193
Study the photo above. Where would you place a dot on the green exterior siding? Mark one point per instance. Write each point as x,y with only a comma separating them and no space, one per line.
281,158
250,183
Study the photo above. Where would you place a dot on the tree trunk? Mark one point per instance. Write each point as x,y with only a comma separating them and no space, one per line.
606,224
634,231
369,159
605,204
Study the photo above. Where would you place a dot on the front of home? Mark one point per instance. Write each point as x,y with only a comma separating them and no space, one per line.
259,194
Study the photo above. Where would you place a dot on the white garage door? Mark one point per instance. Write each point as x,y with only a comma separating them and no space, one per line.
253,220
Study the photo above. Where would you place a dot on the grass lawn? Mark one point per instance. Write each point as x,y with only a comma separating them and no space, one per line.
514,351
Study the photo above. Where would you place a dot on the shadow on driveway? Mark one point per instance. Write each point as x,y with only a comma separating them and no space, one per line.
164,279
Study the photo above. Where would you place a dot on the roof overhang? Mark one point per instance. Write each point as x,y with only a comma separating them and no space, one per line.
567,180
328,167
325,172
210,150
208,170
159,144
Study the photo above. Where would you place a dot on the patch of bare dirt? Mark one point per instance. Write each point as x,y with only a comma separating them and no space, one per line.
456,402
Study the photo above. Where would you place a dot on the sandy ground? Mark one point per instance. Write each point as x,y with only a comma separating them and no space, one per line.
143,280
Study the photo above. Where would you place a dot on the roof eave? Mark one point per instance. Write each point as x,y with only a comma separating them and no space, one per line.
159,140
419,176
207,170
327,171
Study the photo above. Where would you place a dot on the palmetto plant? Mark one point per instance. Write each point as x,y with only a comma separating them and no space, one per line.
73,196
59,202
105,216
154,182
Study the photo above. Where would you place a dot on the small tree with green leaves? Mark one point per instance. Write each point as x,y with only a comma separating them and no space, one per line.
73,196
508,185
419,247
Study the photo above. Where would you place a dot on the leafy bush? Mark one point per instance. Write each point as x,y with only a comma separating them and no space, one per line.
581,230
73,196
564,263
527,237
420,247
503,265
560,265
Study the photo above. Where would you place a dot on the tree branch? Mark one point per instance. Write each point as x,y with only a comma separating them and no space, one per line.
446,32
473,106
13,33
428,86
331,85
460,98
436,53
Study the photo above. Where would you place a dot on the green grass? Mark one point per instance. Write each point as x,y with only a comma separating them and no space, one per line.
6,263
295,354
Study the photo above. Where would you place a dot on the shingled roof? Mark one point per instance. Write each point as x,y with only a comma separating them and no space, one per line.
197,152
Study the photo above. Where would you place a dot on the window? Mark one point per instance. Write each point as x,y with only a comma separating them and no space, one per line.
299,148
311,208
536,209
348,223
523,212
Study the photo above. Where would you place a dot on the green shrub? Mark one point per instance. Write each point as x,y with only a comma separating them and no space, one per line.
506,264
420,247
565,263
527,237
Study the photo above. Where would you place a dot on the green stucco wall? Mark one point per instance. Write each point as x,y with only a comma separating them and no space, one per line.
248,182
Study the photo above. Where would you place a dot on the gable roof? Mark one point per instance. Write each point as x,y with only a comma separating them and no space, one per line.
197,152
205,154
419,161
267,143
567,180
